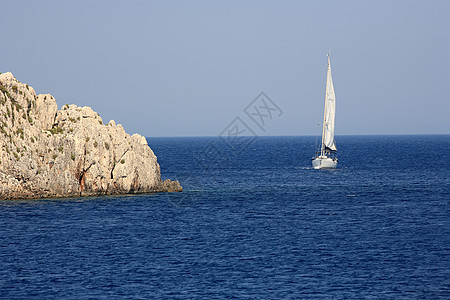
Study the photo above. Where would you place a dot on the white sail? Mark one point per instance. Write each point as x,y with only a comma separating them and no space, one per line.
328,142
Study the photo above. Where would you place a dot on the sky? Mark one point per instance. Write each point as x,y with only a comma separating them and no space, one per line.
190,68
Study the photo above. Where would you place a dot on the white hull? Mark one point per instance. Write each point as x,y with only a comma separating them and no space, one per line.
324,162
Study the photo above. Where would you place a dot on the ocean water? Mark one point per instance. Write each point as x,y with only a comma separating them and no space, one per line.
254,222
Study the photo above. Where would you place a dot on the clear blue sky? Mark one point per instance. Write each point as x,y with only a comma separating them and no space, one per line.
188,68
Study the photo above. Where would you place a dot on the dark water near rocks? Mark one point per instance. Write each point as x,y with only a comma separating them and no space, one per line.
258,224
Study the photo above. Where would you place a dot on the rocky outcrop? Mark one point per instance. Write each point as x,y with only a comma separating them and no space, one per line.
45,152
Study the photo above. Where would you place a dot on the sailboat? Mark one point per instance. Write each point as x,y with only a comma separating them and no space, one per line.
325,157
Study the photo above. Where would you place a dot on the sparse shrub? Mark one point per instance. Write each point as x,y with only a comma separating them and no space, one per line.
122,161
16,155
107,146
87,139
14,88
95,144
27,86
56,130
24,116
32,139
54,156
100,122
72,156
61,149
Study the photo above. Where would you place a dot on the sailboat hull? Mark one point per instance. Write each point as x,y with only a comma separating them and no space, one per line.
324,162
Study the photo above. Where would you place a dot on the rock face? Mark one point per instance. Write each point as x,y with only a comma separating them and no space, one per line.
45,152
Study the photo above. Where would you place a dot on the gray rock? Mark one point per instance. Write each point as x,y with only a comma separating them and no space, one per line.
45,152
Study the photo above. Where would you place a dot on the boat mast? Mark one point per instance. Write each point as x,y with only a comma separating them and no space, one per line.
325,109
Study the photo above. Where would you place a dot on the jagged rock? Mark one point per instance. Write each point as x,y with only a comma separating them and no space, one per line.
46,109
45,152
171,186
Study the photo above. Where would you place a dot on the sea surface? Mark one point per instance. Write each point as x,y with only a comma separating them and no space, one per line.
254,222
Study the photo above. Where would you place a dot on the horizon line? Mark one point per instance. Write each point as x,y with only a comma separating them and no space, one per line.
298,135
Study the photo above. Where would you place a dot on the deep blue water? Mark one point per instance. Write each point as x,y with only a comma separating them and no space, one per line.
257,223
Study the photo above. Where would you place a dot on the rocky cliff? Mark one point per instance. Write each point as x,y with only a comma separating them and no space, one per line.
46,152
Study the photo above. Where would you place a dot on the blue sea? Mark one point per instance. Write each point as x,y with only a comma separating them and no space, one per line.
254,222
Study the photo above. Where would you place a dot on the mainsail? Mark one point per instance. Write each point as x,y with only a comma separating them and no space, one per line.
328,142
